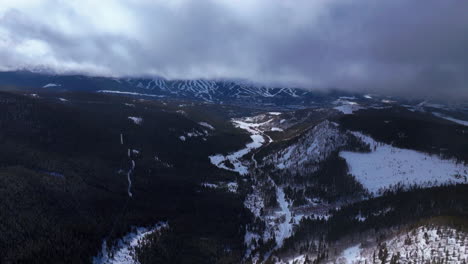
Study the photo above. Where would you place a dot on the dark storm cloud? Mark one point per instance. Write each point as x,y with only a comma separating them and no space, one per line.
416,48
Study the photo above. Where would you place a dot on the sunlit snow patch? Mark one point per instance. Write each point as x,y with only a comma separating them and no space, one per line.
386,166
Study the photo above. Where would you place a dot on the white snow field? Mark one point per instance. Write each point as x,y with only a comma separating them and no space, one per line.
258,140
129,93
123,253
136,120
51,85
311,148
207,125
418,246
434,244
385,166
347,107
351,255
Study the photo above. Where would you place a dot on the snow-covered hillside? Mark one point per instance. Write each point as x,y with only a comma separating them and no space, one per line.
124,252
386,166
419,246
425,244
234,161
309,150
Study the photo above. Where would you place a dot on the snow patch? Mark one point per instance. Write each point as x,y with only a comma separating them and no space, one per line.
51,85
136,120
386,166
205,124
277,129
234,159
348,109
351,255
124,252
128,93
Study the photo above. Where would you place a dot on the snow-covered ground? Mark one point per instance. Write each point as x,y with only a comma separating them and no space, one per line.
434,244
386,166
207,125
277,129
422,245
313,147
124,252
258,139
274,113
347,107
229,186
351,255
458,121
195,133
129,93
51,85
136,120
285,227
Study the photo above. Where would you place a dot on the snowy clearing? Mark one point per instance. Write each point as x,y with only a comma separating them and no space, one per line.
51,85
351,255
258,140
418,246
136,120
274,113
124,252
387,166
205,124
349,108
63,100
129,93
285,228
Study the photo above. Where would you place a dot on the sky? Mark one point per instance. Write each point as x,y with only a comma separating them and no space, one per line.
401,47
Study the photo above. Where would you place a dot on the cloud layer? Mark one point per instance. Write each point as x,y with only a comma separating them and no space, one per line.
415,48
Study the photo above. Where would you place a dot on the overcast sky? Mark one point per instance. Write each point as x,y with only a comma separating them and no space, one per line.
411,47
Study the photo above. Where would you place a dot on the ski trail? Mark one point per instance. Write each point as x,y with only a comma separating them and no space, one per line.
285,228
259,138
121,139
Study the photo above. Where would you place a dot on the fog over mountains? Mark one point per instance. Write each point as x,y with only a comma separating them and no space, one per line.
395,47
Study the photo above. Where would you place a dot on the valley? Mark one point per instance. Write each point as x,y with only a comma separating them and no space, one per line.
153,177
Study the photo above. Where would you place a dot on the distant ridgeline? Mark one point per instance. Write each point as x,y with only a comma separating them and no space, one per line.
216,91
